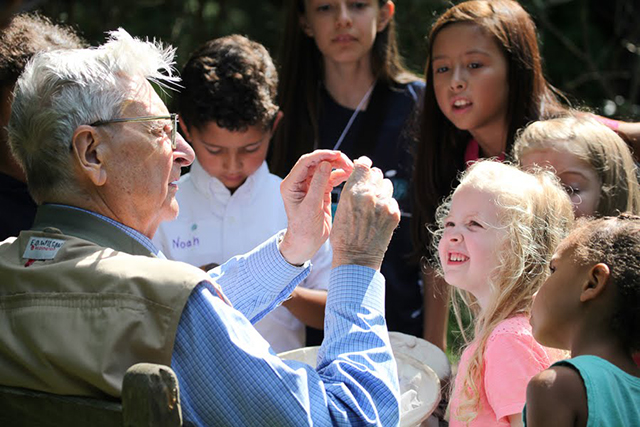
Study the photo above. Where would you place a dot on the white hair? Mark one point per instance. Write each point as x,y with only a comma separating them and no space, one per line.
62,89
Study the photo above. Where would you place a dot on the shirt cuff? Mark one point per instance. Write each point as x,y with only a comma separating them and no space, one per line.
356,284
267,255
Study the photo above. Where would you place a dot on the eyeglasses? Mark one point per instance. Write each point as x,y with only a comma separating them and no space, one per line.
173,117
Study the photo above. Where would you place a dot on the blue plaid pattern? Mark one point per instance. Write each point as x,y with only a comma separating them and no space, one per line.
230,376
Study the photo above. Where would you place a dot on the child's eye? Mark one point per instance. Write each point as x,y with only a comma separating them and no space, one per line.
323,8
475,224
359,5
475,65
571,190
213,151
552,269
448,224
252,148
443,69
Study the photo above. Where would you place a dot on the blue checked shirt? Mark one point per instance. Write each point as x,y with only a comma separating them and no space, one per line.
230,376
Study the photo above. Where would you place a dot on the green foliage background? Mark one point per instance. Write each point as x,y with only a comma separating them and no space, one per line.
591,47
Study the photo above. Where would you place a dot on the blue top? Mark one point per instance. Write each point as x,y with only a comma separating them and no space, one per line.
613,396
229,375
383,133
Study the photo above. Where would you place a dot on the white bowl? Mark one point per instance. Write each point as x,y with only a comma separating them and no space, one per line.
419,383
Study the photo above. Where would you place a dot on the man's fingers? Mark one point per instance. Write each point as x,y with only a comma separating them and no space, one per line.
385,189
361,172
338,176
363,160
394,210
318,184
305,167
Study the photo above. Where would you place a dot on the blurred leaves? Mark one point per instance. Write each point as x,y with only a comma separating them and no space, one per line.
591,47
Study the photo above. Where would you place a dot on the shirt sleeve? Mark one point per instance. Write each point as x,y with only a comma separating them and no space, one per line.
511,360
260,280
230,376
320,268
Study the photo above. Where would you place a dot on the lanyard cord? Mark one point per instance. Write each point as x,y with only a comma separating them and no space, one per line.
353,116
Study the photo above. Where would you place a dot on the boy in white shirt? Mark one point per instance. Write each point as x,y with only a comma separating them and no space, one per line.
229,202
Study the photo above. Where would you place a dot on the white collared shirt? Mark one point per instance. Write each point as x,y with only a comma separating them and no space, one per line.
214,225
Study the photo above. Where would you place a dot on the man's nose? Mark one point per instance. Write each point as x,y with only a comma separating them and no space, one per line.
183,153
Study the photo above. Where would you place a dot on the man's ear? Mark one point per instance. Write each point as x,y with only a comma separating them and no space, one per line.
185,130
304,26
385,15
276,122
89,151
597,279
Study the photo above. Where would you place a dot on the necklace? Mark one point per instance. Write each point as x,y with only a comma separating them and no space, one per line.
354,115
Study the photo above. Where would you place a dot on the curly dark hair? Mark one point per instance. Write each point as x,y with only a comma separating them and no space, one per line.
229,80
26,35
615,241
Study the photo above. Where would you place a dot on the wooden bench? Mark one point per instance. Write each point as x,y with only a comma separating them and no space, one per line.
150,397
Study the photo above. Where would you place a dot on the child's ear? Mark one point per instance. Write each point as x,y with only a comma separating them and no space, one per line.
386,13
185,130
597,279
276,122
305,27
88,149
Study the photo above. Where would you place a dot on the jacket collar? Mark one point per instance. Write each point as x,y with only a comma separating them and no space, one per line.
96,228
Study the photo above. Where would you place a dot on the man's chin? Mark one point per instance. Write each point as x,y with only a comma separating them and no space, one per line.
170,211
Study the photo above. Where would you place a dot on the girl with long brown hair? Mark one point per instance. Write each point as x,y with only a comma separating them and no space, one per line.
343,86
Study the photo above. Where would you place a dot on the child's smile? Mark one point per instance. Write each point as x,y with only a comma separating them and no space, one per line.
457,258
471,241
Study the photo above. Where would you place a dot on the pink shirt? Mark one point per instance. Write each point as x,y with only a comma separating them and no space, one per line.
512,357
472,153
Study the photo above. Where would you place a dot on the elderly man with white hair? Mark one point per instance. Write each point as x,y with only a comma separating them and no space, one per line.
85,294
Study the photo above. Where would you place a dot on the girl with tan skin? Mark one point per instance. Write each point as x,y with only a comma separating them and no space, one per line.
484,82
343,86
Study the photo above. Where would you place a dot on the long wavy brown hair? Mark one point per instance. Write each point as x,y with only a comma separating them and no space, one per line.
439,155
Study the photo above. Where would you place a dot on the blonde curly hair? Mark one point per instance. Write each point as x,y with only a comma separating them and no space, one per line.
536,214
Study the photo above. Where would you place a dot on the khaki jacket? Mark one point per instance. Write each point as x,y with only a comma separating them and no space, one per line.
73,324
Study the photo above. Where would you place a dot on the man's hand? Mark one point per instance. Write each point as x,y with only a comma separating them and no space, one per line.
306,193
365,219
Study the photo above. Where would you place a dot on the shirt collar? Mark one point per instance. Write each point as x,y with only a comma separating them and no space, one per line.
211,186
94,227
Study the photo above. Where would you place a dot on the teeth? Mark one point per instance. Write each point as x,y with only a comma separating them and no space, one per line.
461,103
458,257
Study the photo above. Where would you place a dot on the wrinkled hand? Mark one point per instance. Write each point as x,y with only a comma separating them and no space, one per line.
306,193
365,219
